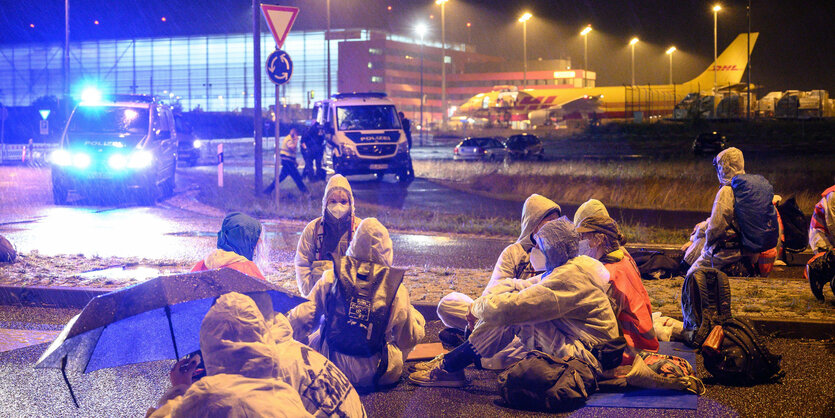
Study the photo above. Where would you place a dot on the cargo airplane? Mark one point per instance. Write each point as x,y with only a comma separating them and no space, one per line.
540,106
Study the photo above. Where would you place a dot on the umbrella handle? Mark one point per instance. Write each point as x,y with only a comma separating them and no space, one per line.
171,329
67,381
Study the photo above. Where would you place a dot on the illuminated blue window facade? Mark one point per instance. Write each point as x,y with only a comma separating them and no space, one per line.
213,72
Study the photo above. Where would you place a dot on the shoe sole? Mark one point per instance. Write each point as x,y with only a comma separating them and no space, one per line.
443,384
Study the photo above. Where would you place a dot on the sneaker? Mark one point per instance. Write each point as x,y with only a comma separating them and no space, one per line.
439,377
426,365
452,337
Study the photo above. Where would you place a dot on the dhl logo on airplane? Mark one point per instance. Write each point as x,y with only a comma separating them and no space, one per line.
726,68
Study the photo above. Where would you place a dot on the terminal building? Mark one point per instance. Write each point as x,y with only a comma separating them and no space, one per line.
213,73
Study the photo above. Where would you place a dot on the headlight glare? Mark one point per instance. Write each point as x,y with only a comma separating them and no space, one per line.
197,143
61,157
117,161
80,160
140,159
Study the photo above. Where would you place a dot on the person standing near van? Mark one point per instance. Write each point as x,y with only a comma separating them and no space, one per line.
407,128
312,152
289,145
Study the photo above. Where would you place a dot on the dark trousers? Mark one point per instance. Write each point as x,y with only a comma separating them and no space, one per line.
313,165
288,168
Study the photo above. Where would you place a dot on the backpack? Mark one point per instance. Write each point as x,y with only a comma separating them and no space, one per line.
358,306
656,265
705,303
735,353
819,271
541,382
755,213
795,226
7,251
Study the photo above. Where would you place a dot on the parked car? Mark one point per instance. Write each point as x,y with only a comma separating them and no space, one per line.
480,148
188,146
524,146
708,143
124,142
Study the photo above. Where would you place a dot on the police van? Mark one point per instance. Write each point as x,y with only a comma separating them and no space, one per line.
363,135
120,142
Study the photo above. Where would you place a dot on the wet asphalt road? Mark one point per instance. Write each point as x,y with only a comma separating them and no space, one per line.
806,391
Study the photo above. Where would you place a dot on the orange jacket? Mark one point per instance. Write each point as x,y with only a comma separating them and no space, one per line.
633,309
220,258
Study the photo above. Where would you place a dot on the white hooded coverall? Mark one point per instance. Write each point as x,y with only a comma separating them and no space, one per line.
243,352
405,326
513,263
822,225
721,225
563,313
308,266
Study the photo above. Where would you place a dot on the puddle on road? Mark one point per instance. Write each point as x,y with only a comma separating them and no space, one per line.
125,273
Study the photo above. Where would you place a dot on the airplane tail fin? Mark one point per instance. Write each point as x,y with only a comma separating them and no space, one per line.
729,66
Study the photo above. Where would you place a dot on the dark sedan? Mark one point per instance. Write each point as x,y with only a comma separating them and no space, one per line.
524,146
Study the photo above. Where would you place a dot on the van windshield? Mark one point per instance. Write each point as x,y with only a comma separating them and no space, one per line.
109,119
370,117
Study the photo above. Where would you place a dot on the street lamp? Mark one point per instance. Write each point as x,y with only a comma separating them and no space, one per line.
632,44
420,29
585,36
716,10
670,53
443,61
524,19
328,41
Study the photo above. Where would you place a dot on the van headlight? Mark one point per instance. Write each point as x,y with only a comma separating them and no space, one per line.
81,160
61,157
117,161
197,143
140,159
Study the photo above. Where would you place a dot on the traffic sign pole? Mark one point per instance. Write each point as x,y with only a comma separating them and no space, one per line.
277,148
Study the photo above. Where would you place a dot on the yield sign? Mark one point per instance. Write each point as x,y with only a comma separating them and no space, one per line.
280,19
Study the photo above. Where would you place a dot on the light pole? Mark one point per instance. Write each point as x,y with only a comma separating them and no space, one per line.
421,31
585,35
670,53
716,10
632,45
524,19
328,41
443,62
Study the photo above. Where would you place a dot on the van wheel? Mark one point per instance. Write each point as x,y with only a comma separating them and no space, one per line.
147,194
59,194
405,176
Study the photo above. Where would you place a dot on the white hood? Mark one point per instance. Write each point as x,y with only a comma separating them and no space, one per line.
535,209
591,207
338,181
729,163
372,243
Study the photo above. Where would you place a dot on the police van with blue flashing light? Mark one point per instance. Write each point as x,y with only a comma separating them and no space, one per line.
364,135
120,142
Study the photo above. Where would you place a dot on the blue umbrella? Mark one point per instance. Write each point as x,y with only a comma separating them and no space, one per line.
155,320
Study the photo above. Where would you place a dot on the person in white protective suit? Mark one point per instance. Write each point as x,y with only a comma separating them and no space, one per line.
513,263
244,352
325,235
405,327
591,207
721,242
822,225
563,312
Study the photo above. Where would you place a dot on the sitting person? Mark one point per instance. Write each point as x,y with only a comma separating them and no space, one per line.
563,311
237,240
601,240
245,356
822,225
515,262
345,321
723,247
590,207
327,236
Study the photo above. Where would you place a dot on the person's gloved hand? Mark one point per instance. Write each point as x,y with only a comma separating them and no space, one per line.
183,371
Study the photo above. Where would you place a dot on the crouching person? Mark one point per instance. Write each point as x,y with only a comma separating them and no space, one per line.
237,240
563,312
366,324
602,240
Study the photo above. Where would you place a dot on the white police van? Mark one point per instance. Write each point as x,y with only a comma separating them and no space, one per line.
363,135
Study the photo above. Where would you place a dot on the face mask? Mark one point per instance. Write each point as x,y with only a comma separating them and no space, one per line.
584,249
338,210
537,259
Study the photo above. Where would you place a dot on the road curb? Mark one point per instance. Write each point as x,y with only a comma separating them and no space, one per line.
77,297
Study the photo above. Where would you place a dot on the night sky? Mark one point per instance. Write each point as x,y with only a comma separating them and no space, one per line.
795,49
